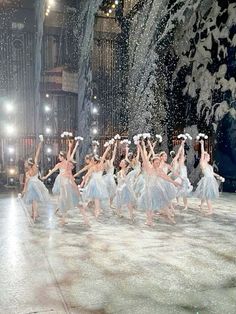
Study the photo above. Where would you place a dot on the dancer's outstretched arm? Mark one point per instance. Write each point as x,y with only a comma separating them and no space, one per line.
36,158
86,168
51,172
163,175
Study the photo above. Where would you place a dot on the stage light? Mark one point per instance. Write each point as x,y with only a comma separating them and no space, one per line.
12,171
47,108
95,131
9,107
48,130
95,97
11,159
46,14
10,130
107,14
51,2
116,2
110,11
11,150
113,6
47,95
49,150
11,180
94,110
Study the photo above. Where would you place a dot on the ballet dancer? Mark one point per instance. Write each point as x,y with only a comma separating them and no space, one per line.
208,188
95,186
109,176
69,196
186,187
34,191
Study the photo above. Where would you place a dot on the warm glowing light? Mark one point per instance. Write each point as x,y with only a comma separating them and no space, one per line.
12,171
113,6
107,14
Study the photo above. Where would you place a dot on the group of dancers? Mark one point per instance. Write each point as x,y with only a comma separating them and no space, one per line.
145,182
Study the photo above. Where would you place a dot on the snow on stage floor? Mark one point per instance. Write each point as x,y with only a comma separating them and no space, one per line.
116,267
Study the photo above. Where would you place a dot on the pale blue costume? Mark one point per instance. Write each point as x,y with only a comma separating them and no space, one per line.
124,193
153,196
207,188
96,188
110,182
35,191
65,187
186,187
135,179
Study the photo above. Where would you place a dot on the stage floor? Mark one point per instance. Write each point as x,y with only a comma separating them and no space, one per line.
116,267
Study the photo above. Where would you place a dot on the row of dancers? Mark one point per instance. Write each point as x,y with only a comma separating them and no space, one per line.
145,182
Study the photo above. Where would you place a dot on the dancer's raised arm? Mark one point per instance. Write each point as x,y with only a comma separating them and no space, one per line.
114,153
73,152
202,160
146,162
127,154
36,158
151,153
69,150
105,153
51,172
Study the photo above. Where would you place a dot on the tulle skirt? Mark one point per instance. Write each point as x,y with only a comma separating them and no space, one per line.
69,196
138,185
36,191
185,189
56,185
207,188
170,191
110,184
124,196
153,196
96,189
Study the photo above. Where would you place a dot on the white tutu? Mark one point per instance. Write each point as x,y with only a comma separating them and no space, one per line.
96,188
110,182
186,187
35,191
153,196
207,188
124,193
